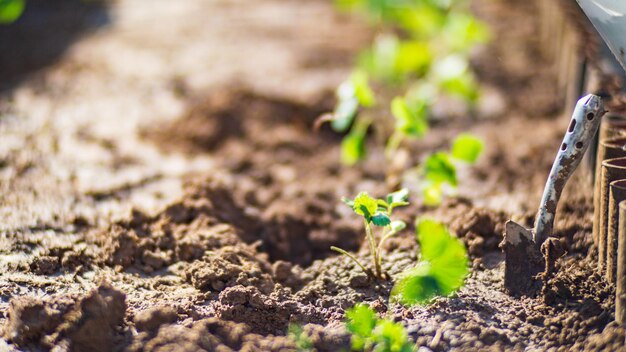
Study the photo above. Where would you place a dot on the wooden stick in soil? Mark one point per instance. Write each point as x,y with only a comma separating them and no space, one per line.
617,193
620,294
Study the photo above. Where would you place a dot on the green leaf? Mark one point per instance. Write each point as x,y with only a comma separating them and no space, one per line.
450,67
463,86
397,197
412,57
416,286
400,110
353,148
361,320
373,334
423,21
379,60
441,271
438,168
467,147
453,77
381,219
432,194
11,10
446,254
349,202
463,31
409,121
346,108
391,336
365,205
362,90
397,226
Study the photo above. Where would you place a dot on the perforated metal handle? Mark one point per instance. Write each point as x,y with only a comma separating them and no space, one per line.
582,128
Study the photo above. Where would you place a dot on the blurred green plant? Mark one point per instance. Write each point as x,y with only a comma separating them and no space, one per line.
422,47
11,10
370,333
302,341
376,212
441,270
439,169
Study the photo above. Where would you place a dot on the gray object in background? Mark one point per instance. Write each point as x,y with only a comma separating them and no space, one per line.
609,18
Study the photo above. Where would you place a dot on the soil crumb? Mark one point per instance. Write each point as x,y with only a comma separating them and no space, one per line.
90,323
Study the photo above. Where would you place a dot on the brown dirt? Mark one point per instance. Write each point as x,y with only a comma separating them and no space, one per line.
165,204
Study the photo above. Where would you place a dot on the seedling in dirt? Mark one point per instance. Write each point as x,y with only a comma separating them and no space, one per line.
376,213
302,341
441,270
351,96
370,333
439,169
411,121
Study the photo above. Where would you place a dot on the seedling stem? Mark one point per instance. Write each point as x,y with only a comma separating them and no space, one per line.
376,212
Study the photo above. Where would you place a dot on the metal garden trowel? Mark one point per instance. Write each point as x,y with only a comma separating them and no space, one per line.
609,18
523,246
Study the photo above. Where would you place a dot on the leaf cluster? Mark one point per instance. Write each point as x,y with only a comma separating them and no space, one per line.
423,47
370,333
377,212
439,169
442,268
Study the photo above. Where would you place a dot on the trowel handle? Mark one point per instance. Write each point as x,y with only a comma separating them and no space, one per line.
582,128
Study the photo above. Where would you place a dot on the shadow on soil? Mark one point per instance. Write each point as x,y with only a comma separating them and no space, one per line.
43,33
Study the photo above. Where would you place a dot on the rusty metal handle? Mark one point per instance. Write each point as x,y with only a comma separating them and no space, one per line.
582,128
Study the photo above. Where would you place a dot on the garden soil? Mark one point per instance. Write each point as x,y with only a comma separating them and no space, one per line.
162,189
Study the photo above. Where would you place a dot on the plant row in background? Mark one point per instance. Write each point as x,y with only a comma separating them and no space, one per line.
420,54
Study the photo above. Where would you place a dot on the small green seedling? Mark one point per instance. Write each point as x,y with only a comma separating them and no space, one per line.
302,341
370,333
411,122
351,95
377,212
441,270
439,169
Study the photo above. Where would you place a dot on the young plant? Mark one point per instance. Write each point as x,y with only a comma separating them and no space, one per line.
352,95
439,169
376,213
422,49
441,270
369,333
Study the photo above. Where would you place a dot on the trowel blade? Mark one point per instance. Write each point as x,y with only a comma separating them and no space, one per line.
523,260
609,18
